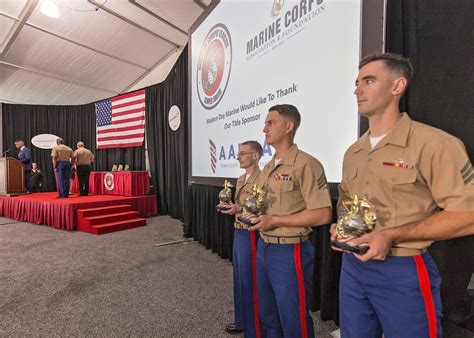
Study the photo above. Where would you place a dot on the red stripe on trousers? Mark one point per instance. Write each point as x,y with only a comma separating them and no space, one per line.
425,288
299,275
253,245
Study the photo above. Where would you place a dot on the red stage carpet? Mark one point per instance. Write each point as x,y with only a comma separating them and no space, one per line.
60,213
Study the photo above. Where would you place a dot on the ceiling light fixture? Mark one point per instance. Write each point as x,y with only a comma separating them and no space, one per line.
49,8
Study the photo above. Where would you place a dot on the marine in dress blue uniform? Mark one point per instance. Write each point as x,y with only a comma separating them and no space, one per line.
246,313
297,197
62,158
408,171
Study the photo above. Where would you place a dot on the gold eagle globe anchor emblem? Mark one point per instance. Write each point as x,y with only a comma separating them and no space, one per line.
355,218
253,205
225,196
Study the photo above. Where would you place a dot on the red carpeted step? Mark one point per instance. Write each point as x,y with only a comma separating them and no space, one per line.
109,218
117,226
91,212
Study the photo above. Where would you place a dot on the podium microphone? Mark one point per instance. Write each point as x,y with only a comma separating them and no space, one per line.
6,152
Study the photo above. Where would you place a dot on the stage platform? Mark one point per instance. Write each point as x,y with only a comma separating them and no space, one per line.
60,213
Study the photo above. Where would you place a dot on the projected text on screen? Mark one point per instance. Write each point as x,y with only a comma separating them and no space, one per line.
248,56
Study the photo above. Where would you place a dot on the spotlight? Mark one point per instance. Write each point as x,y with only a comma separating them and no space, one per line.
49,8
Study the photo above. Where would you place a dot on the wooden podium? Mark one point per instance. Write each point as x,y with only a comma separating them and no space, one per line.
12,177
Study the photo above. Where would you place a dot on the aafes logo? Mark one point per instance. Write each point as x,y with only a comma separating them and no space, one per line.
214,64
229,152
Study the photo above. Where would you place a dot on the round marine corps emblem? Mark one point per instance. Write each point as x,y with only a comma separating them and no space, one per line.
214,63
109,181
277,7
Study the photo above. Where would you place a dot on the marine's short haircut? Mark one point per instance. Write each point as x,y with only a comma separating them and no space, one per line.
255,146
394,62
289,111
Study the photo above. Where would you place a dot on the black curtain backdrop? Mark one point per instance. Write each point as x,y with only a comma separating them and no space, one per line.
327,270
71,123
212,229
438,38
168,149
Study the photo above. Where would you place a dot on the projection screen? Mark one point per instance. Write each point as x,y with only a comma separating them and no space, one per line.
247,56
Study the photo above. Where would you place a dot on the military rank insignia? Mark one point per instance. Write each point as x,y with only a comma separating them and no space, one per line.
282,177
322,183
467,173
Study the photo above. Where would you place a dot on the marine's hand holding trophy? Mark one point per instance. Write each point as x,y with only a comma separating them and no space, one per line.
225,197
355,218
253,205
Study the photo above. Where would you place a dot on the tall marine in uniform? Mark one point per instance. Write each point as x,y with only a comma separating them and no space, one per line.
244,255
297,198
421,183
62,158
83,159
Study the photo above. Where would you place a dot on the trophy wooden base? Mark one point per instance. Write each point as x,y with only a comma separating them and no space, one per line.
222,207
360,250
245,220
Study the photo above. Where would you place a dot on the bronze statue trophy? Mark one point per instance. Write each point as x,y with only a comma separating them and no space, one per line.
225,196
253,205
355,218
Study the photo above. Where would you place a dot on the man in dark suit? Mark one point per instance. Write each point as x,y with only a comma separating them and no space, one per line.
24,156
36,178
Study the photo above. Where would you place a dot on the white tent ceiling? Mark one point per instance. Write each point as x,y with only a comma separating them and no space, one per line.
96,49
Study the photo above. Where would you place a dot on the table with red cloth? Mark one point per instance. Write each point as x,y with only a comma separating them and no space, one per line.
125,183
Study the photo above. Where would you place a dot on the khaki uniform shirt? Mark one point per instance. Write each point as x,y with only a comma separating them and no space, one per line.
297,183
411,173
83,156
62,152
243,189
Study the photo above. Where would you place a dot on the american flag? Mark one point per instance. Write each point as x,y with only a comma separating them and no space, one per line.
121,121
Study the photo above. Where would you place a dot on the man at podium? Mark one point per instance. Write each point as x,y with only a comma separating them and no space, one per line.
24,156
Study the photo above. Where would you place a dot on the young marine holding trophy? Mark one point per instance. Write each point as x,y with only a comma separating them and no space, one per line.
396,179
246,312
296,197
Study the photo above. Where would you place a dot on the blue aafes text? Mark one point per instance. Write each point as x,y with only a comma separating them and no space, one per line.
229,152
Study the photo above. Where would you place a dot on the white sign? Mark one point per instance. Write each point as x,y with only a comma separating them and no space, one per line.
174,118
44,141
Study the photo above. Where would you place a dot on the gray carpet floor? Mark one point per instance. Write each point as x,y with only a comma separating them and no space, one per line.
60,283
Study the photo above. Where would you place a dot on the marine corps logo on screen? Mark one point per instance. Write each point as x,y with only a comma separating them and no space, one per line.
109,181
277,7
214,64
